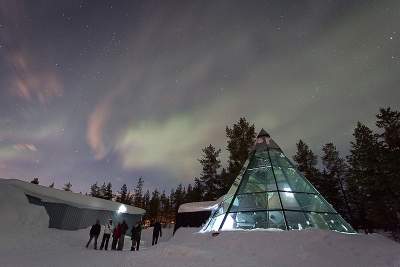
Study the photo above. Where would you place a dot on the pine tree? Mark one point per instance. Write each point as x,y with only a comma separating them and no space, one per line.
35,181
209,179
194,192
164,207
138,200
197,191
146,203
154,205
102,191
67,187
332,185
363,178
178,197
94,190
51,185
108,194
129,198
241,138
388,122
225,180
189,193
306,162
122,194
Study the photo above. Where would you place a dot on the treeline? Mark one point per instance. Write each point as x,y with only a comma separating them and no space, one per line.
364,186
158,205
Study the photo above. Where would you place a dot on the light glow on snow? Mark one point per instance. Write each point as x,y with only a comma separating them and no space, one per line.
229,221
121,209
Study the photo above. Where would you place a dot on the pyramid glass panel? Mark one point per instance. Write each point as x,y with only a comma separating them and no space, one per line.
270,192
298,220
250,202
258,180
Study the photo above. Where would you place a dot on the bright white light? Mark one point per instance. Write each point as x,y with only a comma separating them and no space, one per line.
217,223
229,222
213,207
122,209
288,194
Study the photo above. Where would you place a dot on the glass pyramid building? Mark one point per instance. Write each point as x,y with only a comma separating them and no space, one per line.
271,193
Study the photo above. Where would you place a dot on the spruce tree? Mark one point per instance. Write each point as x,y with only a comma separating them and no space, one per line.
146,203
197,192
306,162
94,190
209,179
122,194
241,138
363,180
35,181
388,123
108,194
102,190
225,180
178,197
164,207
332,185
154,205
138,200
194,192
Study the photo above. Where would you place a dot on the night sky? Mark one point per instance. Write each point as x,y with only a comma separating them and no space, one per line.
102,90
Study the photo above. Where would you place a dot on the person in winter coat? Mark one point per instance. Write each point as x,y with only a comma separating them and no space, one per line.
94,233
124,228
156,232
136,236
106,234
116,236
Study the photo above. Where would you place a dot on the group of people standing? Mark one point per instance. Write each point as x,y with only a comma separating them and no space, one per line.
118,233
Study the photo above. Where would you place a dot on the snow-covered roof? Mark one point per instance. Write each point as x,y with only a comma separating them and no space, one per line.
53,195
199,206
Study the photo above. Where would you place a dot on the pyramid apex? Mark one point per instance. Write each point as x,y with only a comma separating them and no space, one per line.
263,133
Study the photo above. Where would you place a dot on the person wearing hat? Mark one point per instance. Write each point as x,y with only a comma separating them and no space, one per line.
106,234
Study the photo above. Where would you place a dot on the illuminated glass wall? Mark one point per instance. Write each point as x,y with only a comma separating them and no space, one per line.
271,193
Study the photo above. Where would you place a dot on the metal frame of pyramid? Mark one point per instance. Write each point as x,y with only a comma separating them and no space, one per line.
270,193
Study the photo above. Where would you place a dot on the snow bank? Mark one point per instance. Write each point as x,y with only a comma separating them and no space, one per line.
74,199
19,220
25,240
199,206
288,248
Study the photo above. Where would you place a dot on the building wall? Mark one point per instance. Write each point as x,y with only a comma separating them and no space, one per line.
191,219
66,217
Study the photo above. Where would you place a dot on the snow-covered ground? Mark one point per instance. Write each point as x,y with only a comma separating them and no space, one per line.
25,240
